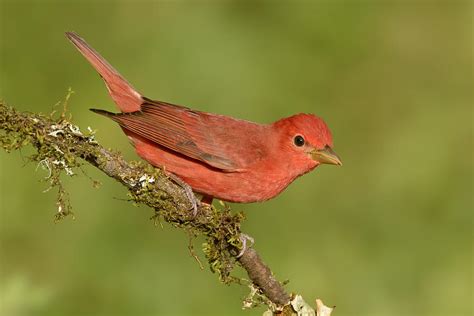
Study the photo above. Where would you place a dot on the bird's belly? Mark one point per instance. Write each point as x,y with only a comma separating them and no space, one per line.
242,187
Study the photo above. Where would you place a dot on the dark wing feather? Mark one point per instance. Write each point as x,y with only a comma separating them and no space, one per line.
177,128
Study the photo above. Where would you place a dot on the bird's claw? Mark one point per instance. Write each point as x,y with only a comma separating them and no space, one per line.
195,203
243,239
192,199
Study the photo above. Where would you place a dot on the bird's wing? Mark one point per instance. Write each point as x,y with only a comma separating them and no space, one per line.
202,136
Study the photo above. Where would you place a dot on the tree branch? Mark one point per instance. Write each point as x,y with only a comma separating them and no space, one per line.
61,147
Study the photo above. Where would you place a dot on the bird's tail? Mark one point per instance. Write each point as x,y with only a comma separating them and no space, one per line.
122,92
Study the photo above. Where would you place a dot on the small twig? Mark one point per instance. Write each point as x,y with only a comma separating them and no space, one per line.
191,250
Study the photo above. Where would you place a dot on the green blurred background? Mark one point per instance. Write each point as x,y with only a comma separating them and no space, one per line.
389,233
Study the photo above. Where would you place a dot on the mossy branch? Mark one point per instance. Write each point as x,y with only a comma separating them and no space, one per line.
61,147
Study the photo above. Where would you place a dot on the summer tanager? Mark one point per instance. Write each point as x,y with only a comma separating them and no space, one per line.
218,156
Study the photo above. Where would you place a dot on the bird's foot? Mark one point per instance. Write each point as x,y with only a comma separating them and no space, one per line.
244,238
195,203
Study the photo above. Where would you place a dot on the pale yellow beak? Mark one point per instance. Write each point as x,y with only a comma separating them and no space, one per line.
326,156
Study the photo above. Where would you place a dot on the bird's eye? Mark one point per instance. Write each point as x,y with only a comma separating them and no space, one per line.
299,140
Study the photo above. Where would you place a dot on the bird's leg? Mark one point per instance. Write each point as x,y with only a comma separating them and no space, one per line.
244,238
187,189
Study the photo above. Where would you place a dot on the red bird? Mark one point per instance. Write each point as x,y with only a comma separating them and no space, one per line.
218,156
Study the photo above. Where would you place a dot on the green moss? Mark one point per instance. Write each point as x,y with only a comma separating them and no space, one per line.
58,143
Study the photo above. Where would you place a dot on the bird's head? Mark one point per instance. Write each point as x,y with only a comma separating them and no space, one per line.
307,140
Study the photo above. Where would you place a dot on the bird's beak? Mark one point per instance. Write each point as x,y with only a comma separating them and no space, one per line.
327,156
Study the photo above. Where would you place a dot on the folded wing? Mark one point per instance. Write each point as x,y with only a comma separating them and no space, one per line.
198,135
